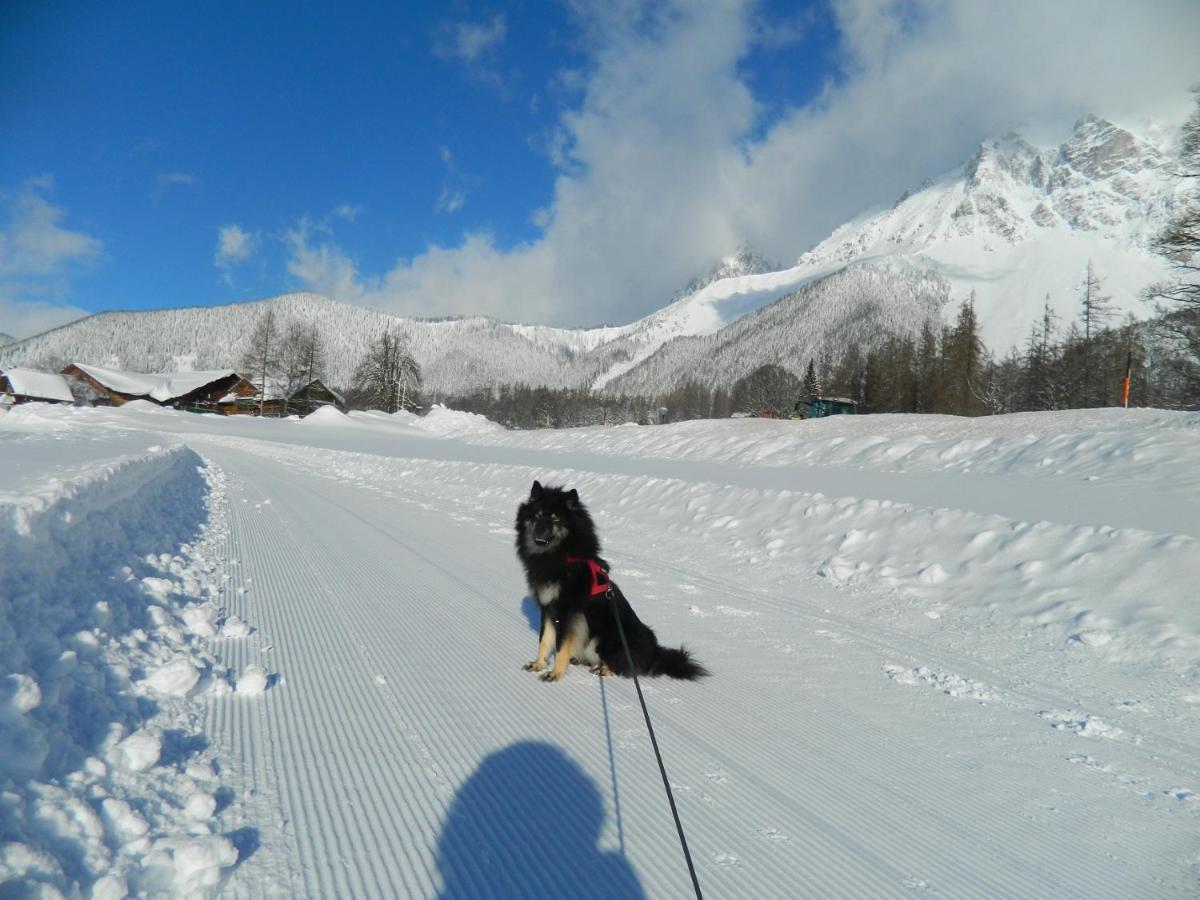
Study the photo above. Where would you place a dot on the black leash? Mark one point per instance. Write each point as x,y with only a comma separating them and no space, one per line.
654,743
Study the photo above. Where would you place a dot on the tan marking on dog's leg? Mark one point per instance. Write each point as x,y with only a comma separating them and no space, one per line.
563,658
545,645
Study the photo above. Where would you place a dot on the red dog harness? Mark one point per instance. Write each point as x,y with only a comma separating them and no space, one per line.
601,584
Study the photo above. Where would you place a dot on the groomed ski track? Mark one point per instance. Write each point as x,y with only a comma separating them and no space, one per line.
401,750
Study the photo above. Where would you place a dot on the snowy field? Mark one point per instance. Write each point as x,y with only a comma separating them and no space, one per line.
952,658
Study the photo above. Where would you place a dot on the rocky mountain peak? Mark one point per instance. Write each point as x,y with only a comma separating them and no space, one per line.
745,260
1099,149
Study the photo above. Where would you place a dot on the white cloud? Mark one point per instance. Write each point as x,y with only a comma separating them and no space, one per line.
24,318
469,42
665,161
474,45
168,180
33,242
38,258
235,246
455,185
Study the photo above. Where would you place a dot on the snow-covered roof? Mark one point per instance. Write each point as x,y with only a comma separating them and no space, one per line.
161,387
40,385
278,389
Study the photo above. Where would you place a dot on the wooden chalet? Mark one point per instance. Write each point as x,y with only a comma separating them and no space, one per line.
312,397
281,402
19,385
241,400
192,391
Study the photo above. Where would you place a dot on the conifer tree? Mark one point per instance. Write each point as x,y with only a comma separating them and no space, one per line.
964,364
812,386
1095,311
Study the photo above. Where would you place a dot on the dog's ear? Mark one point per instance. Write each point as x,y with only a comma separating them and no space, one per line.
537,491
572,499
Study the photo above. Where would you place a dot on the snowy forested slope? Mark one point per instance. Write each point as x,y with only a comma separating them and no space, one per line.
455,354
283,658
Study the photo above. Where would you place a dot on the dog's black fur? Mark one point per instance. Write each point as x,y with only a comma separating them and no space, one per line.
552,525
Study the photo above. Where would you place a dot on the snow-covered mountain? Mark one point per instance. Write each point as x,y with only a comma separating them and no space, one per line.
859,304
455,354
1017,222
6,339
1014,224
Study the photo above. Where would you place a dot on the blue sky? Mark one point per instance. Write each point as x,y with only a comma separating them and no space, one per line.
560,162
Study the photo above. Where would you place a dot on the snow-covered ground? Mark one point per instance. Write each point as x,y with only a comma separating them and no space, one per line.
952,658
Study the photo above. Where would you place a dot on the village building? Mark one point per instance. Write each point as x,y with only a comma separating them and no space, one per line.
820,407
313,396
19,385
280,401
193,391
241,399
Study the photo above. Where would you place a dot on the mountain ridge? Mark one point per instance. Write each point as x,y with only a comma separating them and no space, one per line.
1013,226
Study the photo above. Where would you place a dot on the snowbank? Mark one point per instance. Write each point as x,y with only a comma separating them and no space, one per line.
1148,446
108,574
325,415
447,423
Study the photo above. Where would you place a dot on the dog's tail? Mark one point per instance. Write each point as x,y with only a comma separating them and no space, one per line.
676,664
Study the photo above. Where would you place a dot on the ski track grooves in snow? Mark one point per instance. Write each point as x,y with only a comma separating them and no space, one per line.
330,731
328,682
867,804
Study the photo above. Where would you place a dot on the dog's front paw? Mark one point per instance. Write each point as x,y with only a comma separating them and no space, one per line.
534,666
551,676
601,670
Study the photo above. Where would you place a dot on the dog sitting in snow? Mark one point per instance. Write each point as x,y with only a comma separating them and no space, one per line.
559,549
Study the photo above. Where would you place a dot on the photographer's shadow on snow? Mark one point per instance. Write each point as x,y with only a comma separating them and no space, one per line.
526,824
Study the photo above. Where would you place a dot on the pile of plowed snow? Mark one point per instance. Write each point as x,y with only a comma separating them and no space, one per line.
110,592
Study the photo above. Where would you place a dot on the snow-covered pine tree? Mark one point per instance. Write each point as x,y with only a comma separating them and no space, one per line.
812,386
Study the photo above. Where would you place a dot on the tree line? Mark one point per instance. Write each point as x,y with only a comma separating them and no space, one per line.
943,369
285,358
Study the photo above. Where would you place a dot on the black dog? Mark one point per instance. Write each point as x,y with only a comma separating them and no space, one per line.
557,545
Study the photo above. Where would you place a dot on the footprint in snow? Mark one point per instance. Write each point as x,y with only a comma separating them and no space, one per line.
1086,726
725,860
773,834
1091,638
